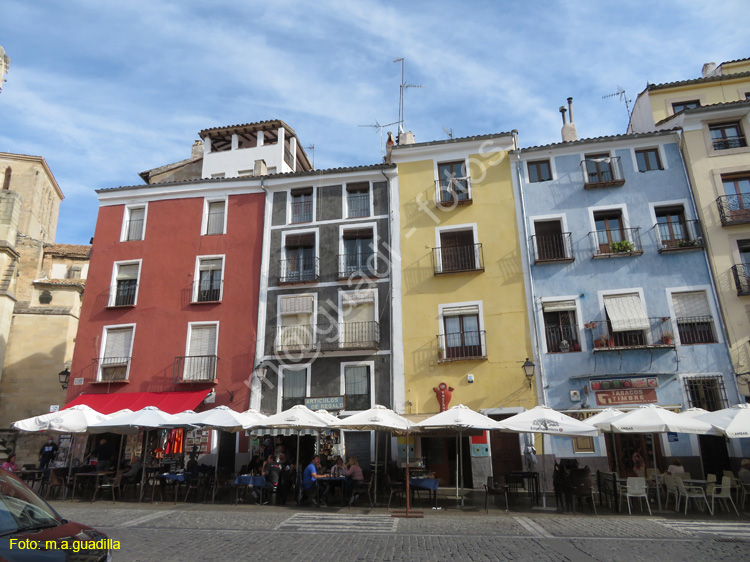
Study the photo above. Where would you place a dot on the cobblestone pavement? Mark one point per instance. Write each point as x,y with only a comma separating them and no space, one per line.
166,532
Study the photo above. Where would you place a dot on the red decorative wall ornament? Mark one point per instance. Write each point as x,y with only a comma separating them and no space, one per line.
443,393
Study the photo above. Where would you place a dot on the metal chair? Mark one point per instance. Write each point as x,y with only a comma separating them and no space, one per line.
691,492
112,485
723,492
396,489
57,480
495,487
637,488
365,487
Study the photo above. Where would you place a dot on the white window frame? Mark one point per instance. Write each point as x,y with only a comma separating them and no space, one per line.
190,327
204,221
196,277
314,315
113,283
456,228
552,170
359,226
289,205
297,232
708,291
345,202
563,218
375,303
441,320
448,158
103,346
295,367
342,385
126,219
579,320
662,157
623,292
623,208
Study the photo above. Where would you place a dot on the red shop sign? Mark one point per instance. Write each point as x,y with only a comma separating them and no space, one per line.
627,396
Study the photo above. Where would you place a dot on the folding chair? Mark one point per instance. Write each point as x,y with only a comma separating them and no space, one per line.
723,492
637,488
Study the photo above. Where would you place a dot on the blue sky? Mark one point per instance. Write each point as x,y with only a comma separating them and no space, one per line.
105,90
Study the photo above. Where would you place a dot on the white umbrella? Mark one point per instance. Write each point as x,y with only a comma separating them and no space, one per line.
377,418
601,420
733,422
76,419
459,418
696,413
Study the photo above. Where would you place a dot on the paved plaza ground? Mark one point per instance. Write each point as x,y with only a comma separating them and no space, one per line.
165,532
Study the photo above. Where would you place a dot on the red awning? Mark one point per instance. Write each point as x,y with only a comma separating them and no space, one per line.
170,402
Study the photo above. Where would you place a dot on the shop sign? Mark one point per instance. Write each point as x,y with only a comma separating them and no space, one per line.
624,383
626,396
672,437
326,403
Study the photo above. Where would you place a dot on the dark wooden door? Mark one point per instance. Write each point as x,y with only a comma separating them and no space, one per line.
506,452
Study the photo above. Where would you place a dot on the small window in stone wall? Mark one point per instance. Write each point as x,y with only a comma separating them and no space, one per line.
45,297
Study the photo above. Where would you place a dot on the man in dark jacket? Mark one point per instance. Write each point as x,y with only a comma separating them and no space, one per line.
47,453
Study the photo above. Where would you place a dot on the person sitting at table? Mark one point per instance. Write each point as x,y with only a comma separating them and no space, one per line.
103,454
676,467
338,470
744,473
310,479
639,466
47,453
256,465
133,474
355,479
10,463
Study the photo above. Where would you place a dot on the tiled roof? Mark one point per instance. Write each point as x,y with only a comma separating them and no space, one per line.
452,141
68,250
258,125
62,282
609,138
735,60
706,108
310,173
701,80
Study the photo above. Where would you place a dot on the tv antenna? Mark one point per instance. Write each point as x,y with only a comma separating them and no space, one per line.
448,132
380,128
402,88
623,98
311,148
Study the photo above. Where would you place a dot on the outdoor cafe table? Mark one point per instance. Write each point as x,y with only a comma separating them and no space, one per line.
257,482
33,476
529,480
429,484
334,481
96,475
176,477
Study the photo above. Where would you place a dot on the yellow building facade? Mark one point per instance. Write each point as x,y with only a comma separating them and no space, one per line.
465,319
713,113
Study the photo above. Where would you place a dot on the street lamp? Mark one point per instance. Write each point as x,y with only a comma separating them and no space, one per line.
528,370
64,377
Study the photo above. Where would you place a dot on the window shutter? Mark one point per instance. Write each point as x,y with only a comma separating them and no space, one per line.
559,306
360,233
202,340
357,297
215,219
118,342
690,304
460,310
626,313
127,272
296,305
300,240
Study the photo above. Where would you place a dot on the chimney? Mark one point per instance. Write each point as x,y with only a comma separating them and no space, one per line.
709,69
260,168
389,147
568,132
197,150
406,137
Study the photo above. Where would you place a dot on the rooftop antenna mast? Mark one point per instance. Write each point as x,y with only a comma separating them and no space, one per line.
311,148
623,98
402,89
448,132
379,127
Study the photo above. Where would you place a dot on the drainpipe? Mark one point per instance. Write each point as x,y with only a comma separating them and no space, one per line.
717,302
255,383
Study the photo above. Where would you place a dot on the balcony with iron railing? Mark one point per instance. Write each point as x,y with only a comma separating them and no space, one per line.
327,337
602,172
725,143
462,346
195,369
300,270
562,339
123,294
358,205
741,274
616,243
112,369
734,209
299,338
696,329
552,247
451,192
302,211
207,291
651,333
679,236
358,265
456,259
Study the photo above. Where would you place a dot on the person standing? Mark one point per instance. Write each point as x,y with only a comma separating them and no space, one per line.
47,453
744,473
103,454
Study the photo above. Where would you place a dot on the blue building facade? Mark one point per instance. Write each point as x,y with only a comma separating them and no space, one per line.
624,307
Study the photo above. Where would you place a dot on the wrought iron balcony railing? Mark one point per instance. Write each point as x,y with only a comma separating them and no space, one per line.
696,329
195,368
561,339
302,270
450,192
112,369
302,211
327,337
605,171
741,274
207,291
729,142
454,259
616,243
679,236
458,346
358,264
734,209
123,294
651,333
552,247
358,205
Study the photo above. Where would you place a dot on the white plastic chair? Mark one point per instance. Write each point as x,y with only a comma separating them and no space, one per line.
744,487
637,488
723,492
691,492
671,490
735,482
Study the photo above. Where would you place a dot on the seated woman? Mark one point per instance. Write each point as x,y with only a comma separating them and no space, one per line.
675,467
355,479
10,463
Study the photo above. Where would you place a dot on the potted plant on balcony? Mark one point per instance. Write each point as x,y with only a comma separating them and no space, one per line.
667,338
564,346
621,247
602,341
687,243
